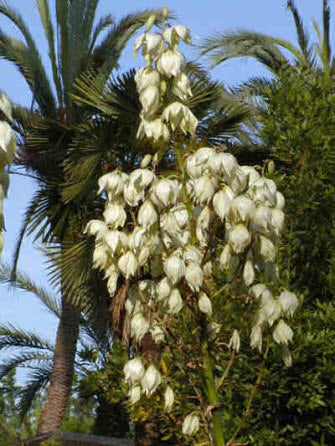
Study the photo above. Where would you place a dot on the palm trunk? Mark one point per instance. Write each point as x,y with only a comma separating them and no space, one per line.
62,369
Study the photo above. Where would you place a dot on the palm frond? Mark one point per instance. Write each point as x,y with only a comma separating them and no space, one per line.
25,283
242,43
27,360
302,34
15,337
35,384
44,10
326,47
28,62
104,23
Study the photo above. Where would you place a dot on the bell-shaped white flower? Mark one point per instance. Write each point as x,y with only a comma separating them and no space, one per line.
256,337
257,290
168,398
248,273
205,304
180,214
137,238
242,209
141,178
182,87
208,268
112,283
153,129
134,394
214,329
180,116
150,43
239,238
128,264
2,243
113,182
192,254
204,155
134,371
204,218
146,161
282,334
147,215
174,33
223,163
6,106
194,276
261,219
222,201
270,309
277,220
151,380
157,334
175,302
150,100
96,228
287,356
251,173
204,189
267,249
115,215
165,191
238,182
7,143
193,167
235,341
116,240
170,63
191,425
225,257
288,302
139,326
174,268
163,289
146,77
280,201
132,195
100,256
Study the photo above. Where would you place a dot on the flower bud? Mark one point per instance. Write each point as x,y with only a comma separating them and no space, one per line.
168,399
139,327
151,380
194,276
128,264
267,249
239,238
256,337
235,342
133,371
288,302
191,425
134,394
248,273
175,302
205,304
282,333
174,268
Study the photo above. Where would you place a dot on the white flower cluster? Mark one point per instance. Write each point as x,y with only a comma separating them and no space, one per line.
7,153
160,228
163,86
161,232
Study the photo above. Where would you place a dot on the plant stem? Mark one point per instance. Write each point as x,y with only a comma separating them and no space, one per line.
212,396
251,395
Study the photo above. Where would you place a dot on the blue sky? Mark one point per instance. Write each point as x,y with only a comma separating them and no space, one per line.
204,18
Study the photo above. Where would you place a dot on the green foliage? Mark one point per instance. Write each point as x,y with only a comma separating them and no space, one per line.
298,126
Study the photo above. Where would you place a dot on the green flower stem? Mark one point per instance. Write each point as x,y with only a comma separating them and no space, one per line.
212,396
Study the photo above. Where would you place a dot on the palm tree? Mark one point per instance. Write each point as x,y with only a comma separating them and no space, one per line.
29,351
76,47
277,55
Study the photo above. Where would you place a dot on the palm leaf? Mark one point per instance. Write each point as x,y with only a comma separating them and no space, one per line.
32,358
15,337
36,383
25,283
302,34
44,10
